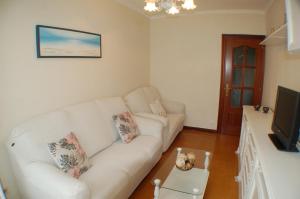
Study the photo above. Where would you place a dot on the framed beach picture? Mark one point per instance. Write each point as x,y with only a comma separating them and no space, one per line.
53,42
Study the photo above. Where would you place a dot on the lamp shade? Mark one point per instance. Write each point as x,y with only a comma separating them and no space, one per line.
151,7
170,6
174,9
189,5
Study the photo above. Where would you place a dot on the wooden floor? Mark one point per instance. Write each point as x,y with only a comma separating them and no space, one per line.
221,184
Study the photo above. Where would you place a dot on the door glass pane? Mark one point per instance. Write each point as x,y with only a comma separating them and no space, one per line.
251,56
238,56
236,98
237,76
249,77
248,97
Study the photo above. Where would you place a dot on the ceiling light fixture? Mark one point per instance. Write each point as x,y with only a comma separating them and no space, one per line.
189,5
170,6
173,10
151,7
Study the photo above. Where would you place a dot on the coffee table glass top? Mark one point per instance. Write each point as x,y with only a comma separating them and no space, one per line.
188,182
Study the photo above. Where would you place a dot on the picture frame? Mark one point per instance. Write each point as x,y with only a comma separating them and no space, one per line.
55,42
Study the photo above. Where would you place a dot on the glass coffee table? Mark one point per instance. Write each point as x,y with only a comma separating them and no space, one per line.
173,183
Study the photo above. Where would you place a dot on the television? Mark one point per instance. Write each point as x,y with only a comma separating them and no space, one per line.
286,120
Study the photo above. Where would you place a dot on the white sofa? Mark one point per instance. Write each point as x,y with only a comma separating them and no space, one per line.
138,101
116,170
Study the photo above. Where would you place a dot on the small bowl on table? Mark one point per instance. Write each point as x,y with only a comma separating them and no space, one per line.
185,161
257,107
266,109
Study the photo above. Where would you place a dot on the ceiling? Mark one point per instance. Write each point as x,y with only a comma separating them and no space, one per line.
206,5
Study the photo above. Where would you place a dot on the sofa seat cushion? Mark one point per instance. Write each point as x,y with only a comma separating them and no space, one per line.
105,181
89,126
123,156
118,167
149,145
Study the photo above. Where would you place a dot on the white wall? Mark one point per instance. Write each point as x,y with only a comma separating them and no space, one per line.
282,68
186,58
31,86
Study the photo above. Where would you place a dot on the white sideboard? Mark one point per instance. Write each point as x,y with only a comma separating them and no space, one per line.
265,172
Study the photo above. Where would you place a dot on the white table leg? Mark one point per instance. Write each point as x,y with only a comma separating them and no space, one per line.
206,162
156,189
195,193
237,151
179,151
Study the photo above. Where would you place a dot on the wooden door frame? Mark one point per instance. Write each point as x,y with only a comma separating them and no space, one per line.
223,71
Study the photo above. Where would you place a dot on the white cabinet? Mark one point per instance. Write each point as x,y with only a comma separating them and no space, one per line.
250,178
257,188
265,172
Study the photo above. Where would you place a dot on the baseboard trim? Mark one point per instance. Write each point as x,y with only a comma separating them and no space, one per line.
201,129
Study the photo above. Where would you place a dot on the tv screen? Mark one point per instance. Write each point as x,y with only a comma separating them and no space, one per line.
286,121
285,111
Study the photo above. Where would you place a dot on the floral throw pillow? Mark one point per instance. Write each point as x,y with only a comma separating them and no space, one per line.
69,156
126,126
158,109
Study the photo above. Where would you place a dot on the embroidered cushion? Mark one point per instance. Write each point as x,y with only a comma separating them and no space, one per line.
158,109
69,155
126,126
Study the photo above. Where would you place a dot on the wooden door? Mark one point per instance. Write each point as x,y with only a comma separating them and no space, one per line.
241,80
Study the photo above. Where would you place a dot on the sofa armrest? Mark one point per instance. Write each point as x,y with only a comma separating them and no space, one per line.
152,116
149,127
173,106
53,183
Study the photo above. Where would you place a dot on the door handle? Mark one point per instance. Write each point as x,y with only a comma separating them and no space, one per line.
227,90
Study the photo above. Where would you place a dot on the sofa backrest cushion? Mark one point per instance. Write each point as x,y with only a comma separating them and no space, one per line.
151,94
29,141
110,107
137,101
90,127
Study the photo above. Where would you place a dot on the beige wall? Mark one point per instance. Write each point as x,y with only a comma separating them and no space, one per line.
30,86
186,58
282,68
275,15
